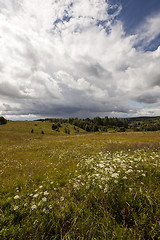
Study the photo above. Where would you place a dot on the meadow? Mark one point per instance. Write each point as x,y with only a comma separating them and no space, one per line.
78,186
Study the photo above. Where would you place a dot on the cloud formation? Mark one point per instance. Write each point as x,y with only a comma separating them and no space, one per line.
73,58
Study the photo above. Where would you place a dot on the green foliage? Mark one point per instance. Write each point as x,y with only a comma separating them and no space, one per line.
54,126
2,121
109,124
66,130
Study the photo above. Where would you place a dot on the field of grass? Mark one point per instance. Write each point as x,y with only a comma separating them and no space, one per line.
78,186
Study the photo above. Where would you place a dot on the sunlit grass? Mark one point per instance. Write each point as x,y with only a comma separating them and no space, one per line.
96,186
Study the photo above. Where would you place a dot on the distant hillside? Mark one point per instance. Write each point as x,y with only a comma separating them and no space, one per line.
144,118
107,124
71,126
144,123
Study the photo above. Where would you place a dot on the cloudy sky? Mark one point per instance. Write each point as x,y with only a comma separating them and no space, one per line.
84,58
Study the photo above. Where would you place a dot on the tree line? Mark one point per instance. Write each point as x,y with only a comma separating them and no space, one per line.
108,124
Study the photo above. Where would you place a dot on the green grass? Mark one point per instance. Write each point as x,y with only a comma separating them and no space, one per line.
37,126
86,186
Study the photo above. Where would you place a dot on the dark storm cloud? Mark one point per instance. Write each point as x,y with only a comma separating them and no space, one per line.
148,98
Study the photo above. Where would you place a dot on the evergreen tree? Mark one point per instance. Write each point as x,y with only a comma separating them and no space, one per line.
2,121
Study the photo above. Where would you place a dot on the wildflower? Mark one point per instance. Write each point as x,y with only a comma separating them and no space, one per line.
45,211
16,197
46,193
25,204
129,171
115,175
35,195
15,208
33,207
36,221
106,189
44,199
62,199
40,186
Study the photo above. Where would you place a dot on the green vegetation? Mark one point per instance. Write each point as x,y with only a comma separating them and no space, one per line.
2,121
91,125
78,186
109,124
144,123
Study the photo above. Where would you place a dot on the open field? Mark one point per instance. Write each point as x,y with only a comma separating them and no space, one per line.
86,186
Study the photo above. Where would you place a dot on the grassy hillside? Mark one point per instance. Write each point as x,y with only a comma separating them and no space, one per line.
37,126
86,186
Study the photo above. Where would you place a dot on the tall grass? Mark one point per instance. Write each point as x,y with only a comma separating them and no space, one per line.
97,186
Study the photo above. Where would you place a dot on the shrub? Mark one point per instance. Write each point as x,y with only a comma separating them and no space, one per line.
54,126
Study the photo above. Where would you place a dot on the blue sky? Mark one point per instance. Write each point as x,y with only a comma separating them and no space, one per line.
80,58
134,13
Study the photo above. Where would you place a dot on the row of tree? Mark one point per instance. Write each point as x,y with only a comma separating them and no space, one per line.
106,124
90,125
97,123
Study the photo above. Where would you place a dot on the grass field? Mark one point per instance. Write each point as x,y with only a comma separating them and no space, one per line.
78,186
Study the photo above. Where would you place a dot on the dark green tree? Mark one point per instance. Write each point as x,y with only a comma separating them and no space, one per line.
54,126
2,121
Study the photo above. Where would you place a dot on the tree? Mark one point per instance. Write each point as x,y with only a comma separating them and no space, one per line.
54,126
87,128
95,128
2,121
98,121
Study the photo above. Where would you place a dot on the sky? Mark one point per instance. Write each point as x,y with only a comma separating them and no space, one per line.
82,58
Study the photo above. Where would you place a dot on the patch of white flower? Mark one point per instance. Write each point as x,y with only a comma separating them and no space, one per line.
46,193
44,199
16,197
35,195
15,208
33,207
102,167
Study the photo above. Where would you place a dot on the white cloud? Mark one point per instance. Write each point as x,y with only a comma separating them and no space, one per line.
149,29
81,64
